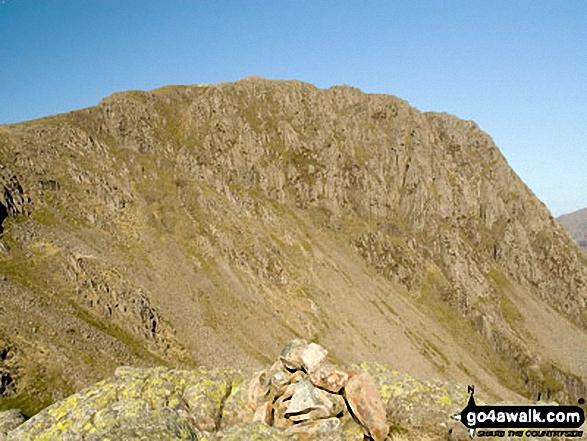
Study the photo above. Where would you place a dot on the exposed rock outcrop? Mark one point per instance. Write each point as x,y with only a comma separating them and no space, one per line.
13,200
160,403
156,227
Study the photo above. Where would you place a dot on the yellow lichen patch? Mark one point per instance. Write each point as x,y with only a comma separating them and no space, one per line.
445,401
132,388
387,390
56,430
60,410
174,401
205,398
102,396
157,390
409,401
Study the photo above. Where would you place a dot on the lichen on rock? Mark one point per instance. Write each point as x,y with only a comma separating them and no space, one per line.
213,404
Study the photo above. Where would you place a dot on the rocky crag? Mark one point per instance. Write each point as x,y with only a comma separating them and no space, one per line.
163,227
576,225
300,397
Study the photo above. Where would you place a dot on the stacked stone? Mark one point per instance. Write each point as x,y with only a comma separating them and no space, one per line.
306,398
299,398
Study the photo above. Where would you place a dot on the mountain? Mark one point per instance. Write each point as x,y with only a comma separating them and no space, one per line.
209,225
576,225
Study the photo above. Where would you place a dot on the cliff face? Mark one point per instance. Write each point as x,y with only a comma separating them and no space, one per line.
576,225
211,224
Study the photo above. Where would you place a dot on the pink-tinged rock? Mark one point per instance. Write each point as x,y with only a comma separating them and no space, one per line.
351,374
264,414
365,403
329,378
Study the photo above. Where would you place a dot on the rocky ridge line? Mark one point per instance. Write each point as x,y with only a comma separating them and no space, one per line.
162,223
300,397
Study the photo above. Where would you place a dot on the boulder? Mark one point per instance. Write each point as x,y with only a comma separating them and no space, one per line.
365,403
410,402
154,403
278,403
278,375
299,355
308,403
291,355
329,378
312,357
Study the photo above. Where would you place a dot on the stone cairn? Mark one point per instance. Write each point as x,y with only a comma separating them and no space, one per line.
302,394
299,398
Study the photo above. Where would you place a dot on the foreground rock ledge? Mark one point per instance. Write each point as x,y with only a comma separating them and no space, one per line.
300,397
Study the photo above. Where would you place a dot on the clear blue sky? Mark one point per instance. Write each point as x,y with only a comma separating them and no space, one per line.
517,68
